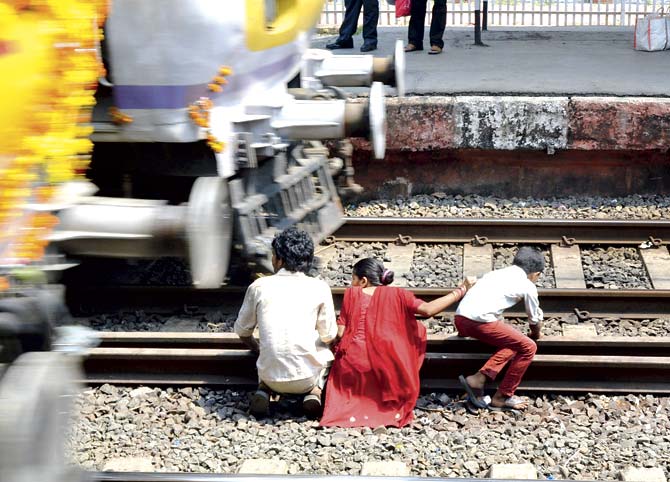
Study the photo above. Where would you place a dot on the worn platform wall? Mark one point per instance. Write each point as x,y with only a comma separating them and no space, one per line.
526,122
522,145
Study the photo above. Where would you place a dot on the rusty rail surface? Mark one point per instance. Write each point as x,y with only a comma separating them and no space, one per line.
565,345
191,477
591,303
531,231
617,365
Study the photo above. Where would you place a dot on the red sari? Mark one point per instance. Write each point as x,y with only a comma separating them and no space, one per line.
374,379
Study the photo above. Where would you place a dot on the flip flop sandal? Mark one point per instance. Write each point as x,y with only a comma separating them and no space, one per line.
412,48
511,405
472,410
513,402
503,409
472,397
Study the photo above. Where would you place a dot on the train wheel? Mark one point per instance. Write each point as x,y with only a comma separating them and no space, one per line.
210,231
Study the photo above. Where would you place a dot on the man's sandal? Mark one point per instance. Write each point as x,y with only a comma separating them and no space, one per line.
259,405
412,48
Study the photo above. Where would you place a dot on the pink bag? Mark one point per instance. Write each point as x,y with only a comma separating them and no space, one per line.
402,8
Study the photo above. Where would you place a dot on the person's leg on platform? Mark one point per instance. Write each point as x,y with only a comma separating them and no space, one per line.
352,10
417,19
437,25
370,19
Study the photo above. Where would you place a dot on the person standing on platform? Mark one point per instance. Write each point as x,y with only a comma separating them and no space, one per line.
417,20
350,24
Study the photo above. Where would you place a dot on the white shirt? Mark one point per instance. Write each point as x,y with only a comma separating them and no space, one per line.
498,290
296,318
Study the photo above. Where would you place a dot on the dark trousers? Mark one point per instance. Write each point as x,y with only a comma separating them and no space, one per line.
437,24
350,22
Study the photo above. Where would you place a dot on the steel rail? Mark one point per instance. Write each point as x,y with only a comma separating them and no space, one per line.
237,367
559,345
191,477
532,231
591,303
632,304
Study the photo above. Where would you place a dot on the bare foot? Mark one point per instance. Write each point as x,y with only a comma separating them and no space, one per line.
502,401
476,382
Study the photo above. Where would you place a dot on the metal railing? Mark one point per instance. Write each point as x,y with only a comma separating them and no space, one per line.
519,13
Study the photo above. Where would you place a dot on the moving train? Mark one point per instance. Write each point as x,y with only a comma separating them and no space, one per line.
157,128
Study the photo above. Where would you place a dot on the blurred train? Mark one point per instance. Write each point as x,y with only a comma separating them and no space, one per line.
199,150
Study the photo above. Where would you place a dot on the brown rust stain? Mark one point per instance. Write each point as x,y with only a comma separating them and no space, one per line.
610,123
421,123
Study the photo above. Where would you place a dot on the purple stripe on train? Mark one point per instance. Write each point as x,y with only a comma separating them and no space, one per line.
180,96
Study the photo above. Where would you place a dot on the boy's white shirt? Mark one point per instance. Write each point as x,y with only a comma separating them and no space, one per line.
498,290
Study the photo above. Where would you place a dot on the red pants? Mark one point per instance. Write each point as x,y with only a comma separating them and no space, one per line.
512,344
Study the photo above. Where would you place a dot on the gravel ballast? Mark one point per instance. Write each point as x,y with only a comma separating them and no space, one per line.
614,268
439,204
591,437
337,271
438,265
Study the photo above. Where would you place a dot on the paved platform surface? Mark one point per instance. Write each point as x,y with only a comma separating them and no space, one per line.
547,62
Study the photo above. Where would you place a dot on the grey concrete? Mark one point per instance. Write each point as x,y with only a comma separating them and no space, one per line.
570,61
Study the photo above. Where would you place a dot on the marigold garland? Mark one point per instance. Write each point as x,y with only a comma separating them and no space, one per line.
47,81
199,110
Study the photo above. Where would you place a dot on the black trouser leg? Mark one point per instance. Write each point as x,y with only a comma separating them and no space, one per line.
370,19
350,23
416,20
438,23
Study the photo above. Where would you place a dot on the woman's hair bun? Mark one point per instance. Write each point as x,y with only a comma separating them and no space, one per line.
387,277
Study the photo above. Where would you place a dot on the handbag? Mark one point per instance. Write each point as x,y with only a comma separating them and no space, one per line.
402,8
652,32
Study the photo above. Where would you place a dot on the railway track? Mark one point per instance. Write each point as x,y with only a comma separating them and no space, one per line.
616,364
477,235
589,303
622,364
532,231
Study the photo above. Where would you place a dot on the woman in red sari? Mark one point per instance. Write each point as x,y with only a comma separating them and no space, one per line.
374,379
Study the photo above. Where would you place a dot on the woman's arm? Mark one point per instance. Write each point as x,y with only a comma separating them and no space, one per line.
440,304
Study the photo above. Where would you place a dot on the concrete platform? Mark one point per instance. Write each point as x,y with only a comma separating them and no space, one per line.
547,90
567,61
